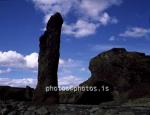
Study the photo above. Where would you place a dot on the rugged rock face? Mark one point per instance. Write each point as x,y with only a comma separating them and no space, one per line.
48,61
17,94
127,72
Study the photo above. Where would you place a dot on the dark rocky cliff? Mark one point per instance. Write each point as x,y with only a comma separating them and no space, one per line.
126,73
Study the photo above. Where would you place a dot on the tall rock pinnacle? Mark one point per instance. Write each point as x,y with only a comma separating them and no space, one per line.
48,62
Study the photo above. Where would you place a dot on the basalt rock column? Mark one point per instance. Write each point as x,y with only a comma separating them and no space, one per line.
48,62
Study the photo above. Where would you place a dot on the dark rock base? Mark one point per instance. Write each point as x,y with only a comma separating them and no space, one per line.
136,107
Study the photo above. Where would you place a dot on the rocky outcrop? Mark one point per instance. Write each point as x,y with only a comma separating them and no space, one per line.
48,62
137,107
127,72
17,94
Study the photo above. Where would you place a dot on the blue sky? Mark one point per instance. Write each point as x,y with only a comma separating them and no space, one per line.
90,27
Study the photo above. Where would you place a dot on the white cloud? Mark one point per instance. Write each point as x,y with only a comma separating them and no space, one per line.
106,19
93,10
61,62
17,60
83,69
88,7
80,29
14,59
66,78
8,70
70,63
70,81
84,28
112,38
135,32
32,60
71,67
49,7
22,82
11,58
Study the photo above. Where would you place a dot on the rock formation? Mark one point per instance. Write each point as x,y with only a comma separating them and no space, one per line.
17,94
48,62
127,72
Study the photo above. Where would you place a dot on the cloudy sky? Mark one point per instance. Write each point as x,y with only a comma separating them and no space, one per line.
90,27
